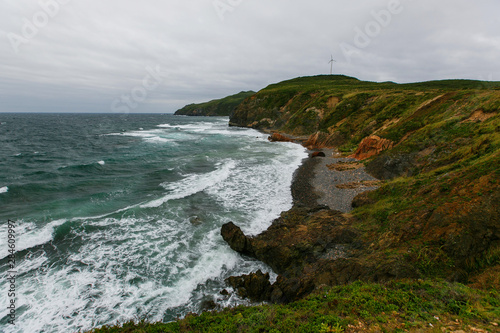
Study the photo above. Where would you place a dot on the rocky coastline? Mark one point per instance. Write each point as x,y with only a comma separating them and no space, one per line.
421,249
314,243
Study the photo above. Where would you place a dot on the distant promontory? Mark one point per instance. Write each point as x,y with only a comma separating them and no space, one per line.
217,107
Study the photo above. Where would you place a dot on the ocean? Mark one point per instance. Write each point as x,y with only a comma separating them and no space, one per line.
118,217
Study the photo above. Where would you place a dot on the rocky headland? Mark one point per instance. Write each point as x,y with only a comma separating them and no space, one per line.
416,162
217,107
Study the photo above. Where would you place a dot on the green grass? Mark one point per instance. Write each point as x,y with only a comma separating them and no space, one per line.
398,305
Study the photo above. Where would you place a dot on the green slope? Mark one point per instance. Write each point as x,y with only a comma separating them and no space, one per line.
309,104
439,209
218,107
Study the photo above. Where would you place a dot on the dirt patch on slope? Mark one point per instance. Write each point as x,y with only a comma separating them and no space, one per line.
479,116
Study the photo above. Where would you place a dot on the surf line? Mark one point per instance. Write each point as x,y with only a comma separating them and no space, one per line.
11,273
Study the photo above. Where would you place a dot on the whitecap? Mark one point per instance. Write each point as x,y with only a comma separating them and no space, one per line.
28,235
192,184
101,162
261,190
157,139
4,189
153,136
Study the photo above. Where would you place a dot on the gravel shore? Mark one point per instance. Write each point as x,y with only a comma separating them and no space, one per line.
316,181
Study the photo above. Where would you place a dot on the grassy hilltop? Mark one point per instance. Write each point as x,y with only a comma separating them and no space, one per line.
436,214
217,107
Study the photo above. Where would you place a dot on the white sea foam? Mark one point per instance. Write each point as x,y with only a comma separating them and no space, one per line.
154,136
194,126
101,162
220,127
192,184
99,275
119,266
262,189
4,189
28,235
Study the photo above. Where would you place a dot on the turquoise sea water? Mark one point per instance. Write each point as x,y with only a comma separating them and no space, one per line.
118,216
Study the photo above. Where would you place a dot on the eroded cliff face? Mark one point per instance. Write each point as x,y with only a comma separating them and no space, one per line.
437,147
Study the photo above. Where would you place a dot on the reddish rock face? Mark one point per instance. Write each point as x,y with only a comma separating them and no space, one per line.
277,137
371,146
323,140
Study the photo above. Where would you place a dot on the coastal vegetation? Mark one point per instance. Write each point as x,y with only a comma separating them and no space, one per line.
217,107
420,253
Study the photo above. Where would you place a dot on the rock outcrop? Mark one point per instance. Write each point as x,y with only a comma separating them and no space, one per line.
324,140
236,239
309,247
371,146
255,286
278,137
318,154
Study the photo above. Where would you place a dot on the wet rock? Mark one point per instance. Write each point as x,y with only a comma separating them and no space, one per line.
195,220
308,248
278,137
236,239
318,154
288,290
255,286
208,305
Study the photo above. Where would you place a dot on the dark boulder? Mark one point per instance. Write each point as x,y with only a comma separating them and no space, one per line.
278,137
286,290
255,286
208,304
318,154
236,239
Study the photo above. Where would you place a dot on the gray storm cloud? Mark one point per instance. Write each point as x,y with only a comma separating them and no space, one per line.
84,56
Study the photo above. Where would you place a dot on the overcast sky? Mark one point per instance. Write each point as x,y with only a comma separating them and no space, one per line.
158,55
